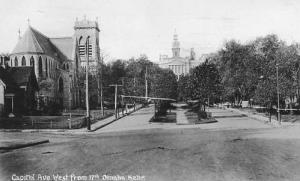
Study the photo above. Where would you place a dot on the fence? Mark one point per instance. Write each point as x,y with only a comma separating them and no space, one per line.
77,120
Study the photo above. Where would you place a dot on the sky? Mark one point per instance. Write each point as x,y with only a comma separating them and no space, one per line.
129,28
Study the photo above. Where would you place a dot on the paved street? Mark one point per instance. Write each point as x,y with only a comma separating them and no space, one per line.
226,150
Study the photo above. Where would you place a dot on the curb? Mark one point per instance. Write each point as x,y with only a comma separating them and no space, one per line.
23,145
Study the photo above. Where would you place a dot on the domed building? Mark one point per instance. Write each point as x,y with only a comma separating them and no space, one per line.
178,64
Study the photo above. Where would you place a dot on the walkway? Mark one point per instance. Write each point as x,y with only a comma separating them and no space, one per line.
181,118
135,121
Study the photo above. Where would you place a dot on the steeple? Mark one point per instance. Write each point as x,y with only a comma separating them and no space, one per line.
193,54
176,46
19,33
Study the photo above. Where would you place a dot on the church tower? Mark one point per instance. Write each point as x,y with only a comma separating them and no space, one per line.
176,46
88,30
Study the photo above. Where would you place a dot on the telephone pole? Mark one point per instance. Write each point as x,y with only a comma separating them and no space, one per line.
116,97
146,83
87,85
100,84
101,87
278,98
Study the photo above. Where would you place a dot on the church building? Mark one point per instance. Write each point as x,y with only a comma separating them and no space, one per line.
57,61
178,64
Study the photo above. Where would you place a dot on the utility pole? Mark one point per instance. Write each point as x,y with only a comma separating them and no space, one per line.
101,87
87,85
70,101
116,97
146,84
277,81
99,84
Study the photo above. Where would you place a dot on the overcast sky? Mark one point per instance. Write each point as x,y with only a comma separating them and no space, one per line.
133,27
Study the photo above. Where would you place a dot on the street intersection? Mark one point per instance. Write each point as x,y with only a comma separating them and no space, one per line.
234,148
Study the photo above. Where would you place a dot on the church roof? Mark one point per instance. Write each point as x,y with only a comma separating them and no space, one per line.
35,42
65,45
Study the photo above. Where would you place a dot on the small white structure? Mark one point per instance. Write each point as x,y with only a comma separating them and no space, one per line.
245,104
2,88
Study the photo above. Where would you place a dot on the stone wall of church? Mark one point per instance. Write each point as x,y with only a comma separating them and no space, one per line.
70,91
48,64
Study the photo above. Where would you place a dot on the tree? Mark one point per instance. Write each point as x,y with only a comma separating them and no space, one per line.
164,84
238,67
184,88
205,82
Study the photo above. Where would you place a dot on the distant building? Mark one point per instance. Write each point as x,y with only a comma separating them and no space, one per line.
56,62
178,64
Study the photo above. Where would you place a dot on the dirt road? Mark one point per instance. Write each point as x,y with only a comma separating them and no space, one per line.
164,154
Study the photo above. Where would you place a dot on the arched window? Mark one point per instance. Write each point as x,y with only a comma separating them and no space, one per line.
67,66
60,85
46,67
76,59
50,68
64,66
23,61
31,61
40,67
89,46
16,61
81,47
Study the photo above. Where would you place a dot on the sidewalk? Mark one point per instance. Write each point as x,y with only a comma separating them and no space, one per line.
97,125
181,118
261,118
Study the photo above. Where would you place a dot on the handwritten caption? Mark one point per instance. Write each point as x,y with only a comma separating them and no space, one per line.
73,177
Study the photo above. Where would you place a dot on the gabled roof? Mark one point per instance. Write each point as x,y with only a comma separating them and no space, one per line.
29,43
21,75
65,45
11,86
35,42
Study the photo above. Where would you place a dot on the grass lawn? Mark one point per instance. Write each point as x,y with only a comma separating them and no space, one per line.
193,118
